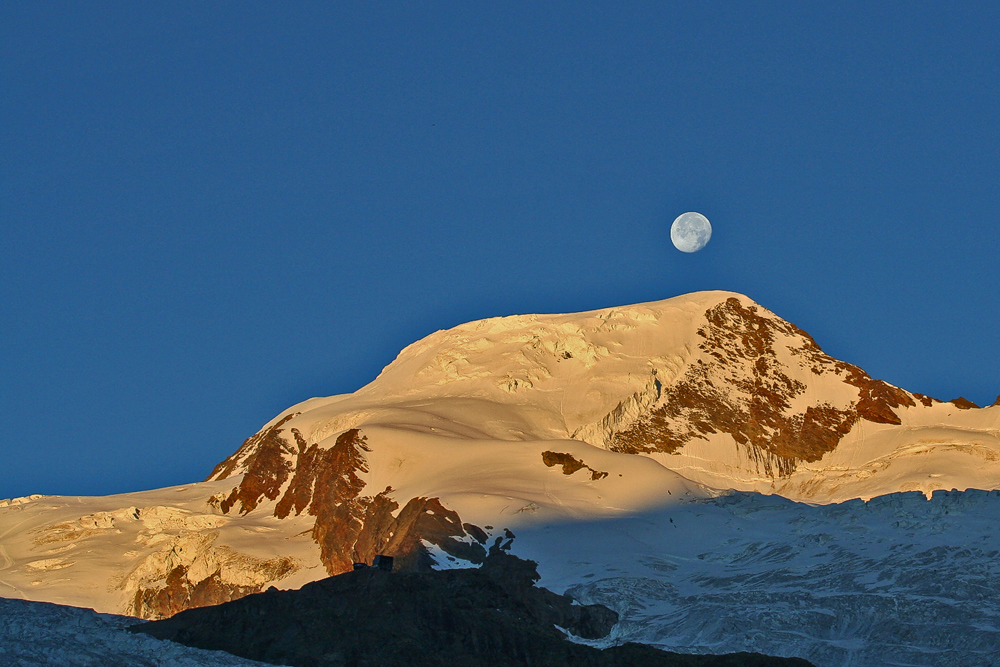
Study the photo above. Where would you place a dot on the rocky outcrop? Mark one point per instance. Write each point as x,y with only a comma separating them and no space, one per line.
187,567
263,458
493,615
185,587
926,400
745,384
570,464
350,527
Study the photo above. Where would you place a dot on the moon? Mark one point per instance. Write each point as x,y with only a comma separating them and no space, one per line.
690,232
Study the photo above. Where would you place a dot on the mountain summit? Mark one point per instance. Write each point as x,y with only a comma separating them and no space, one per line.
711,385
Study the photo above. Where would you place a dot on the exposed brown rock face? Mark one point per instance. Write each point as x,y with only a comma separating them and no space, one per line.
266,468
350,528
189,570
570,464
741,387
996,402
178,593
324,475
929,401
421,519
963,403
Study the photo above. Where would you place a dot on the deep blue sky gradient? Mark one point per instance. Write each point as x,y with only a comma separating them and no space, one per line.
211,211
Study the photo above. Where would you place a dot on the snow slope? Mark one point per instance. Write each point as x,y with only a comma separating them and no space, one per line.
101,551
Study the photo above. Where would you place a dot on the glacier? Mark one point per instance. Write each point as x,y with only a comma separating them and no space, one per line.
899,580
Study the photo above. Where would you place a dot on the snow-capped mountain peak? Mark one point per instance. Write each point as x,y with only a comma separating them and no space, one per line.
507,432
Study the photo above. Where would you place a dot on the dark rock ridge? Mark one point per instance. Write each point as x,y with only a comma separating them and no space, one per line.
493,615
743,388
350,528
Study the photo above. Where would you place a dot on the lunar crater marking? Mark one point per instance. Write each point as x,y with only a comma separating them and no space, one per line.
690,232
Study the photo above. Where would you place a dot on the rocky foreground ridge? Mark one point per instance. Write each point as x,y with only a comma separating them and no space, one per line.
493,615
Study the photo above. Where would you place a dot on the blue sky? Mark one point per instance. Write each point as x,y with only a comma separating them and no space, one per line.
211,211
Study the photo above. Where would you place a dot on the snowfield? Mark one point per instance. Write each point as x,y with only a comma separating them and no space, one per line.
899,580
